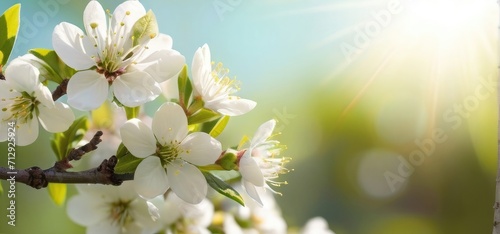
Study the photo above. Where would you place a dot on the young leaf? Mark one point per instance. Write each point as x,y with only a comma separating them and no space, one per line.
144,29
185,88
9,26
219,126
53,67
202,116
57,192
223,188
127,164
63,142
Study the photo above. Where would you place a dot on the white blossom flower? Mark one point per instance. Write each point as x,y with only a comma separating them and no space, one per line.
262,217
215,88
109,58
170,154
178,216
317,225
26,101
260,164
110,209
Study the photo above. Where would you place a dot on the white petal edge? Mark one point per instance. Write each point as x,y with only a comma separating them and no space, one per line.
57,119
232,107
94,14
86,210
87,90
138,138
135,88
68,42
150,179
263,132
186,181
201,68
200,149
44,96
250,170
252,192
22,76
170,123
27,133
163,64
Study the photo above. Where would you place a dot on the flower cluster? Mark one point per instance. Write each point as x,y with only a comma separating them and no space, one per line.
113,67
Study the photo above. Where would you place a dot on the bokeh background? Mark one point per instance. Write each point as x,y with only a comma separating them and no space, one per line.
387,107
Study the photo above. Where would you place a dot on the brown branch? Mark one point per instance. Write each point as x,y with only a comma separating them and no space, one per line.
38,178
60,90
76,154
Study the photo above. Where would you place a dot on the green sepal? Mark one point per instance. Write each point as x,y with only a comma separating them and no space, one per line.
53,68
223,188
127,164
185,88
203,116
132,112
9,27
63,142
228,161
144,29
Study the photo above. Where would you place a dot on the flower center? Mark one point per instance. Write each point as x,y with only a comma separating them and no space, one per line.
21,108
115,48
168,153
120,213
223,84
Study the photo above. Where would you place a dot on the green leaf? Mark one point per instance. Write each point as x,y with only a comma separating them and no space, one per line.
63,142
9,26
121,151
1,189
144,29
203,116
223,188
219,126
185,88
53,68
127,164
57,192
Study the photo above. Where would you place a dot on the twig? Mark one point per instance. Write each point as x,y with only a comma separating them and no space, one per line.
76,154
38,178
60,90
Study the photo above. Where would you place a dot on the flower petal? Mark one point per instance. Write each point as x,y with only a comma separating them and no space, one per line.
22,76
252,191
170,123
27,133
161,42
232,107
250,170
201,67
187,181
150,179
106,226
135,88
170,89
86,210
138,138
200,149
70,42
94,20
44,96
87,90
162,64
263,132
57,119
125,15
